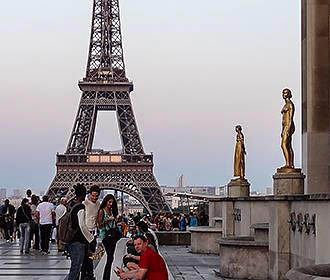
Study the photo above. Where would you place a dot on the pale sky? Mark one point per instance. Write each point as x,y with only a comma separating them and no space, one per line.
198,67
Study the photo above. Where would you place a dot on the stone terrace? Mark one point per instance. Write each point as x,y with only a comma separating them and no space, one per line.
182,264
34,266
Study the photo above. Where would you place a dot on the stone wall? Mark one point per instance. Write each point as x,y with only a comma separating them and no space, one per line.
204,240
243,258
215,212
250,213
311,248
288,248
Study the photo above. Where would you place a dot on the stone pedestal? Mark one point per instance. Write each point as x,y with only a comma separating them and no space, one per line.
241,257
209,237
288,182
239,188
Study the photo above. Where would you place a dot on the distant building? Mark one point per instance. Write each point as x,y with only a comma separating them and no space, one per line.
221,190
190,189
133,209
17,193
256,193
182,182
175,202
3,193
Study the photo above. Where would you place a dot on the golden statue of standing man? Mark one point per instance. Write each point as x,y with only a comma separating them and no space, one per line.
288,129
239,157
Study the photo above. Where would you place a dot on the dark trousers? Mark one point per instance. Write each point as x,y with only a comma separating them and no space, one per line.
87,269
9,229
45,232
77,252
35,232
109,243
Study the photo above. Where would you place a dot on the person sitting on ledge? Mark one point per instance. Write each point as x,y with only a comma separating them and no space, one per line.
151,265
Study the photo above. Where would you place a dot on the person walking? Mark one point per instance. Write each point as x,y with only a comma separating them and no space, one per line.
8,212
92,206
108,230
60,211
45,216
23,218
34,227
81,237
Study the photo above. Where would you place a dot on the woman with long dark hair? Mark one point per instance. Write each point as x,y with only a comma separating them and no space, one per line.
109,234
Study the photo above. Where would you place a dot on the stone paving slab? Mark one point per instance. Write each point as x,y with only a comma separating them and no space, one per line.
185,265
33,266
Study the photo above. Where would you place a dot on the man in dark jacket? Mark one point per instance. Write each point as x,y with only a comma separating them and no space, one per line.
8,212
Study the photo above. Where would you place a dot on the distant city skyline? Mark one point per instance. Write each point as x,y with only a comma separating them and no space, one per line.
198,70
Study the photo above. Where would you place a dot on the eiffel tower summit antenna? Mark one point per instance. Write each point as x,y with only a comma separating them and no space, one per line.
105,87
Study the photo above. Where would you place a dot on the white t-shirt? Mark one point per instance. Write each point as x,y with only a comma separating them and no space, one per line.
60,212
45,210
91,212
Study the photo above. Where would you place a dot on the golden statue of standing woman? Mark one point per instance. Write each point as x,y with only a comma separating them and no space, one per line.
239,157
288,129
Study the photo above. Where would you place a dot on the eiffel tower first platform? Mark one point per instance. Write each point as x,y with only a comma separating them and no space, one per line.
106,88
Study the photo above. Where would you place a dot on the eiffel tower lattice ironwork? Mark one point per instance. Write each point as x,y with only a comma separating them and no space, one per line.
107,88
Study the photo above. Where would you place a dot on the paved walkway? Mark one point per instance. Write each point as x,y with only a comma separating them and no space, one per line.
182,264
34,266
185,265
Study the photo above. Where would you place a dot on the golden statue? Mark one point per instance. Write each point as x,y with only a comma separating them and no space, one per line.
288,129
239,157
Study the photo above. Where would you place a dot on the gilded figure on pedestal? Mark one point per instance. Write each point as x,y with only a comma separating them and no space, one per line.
288,129
239,157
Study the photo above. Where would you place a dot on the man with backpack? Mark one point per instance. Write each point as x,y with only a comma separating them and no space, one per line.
92,206
78,235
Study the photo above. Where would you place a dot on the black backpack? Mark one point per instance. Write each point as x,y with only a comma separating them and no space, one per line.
65,230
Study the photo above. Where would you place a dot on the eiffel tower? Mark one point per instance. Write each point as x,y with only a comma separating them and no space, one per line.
106,88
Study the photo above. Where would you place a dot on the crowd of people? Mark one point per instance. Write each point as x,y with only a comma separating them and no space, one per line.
94,226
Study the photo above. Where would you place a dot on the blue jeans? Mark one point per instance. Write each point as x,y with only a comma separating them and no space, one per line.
77,253
24,241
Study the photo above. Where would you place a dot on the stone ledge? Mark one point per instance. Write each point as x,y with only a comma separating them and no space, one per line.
246,241
298,197
206,229
313,272
289,176
260,226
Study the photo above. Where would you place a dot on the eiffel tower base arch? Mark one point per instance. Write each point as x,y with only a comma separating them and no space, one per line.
139,182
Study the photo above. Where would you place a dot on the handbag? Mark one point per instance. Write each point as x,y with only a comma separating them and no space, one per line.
98,254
